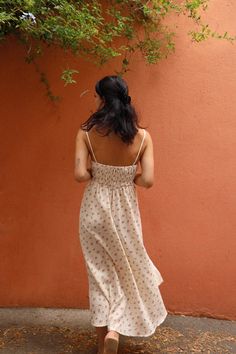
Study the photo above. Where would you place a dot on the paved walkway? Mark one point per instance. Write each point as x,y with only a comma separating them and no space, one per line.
61,331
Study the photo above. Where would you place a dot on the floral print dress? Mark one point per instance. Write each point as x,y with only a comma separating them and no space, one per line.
123,281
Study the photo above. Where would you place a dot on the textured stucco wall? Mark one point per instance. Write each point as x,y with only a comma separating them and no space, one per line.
188,104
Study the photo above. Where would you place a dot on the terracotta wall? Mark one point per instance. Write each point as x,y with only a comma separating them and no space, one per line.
189,225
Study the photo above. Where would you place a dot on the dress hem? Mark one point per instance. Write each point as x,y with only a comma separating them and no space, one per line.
132,334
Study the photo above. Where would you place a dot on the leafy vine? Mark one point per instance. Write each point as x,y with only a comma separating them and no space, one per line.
90,29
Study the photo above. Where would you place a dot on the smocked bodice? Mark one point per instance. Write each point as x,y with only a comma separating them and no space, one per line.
113,176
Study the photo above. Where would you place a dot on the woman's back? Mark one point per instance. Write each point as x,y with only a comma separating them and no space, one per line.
111,150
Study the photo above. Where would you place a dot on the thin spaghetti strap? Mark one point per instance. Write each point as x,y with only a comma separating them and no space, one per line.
144,134
91,146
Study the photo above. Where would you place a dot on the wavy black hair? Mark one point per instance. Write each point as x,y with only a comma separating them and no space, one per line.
117,114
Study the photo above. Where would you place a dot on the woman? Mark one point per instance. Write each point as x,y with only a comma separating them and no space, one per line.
123,281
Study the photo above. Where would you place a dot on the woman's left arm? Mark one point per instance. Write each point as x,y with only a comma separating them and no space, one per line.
81,172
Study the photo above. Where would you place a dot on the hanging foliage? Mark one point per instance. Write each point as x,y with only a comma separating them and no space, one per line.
100,30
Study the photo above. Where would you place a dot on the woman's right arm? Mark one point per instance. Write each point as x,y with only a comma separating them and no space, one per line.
146,177
81,172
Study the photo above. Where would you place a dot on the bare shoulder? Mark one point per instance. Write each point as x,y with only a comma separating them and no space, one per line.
148,138
80,134
147,143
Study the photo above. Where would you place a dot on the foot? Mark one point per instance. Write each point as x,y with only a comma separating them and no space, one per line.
111,343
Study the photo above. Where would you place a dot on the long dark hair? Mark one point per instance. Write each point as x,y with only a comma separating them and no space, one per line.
117,115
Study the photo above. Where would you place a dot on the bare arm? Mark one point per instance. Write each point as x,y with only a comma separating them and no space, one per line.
81,172
146,177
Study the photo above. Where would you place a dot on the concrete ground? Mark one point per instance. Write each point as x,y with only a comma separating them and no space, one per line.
61,331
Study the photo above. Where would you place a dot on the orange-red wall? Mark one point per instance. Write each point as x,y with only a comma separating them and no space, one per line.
189,225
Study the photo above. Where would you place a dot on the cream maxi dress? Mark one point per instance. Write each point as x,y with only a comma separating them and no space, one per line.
123,281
